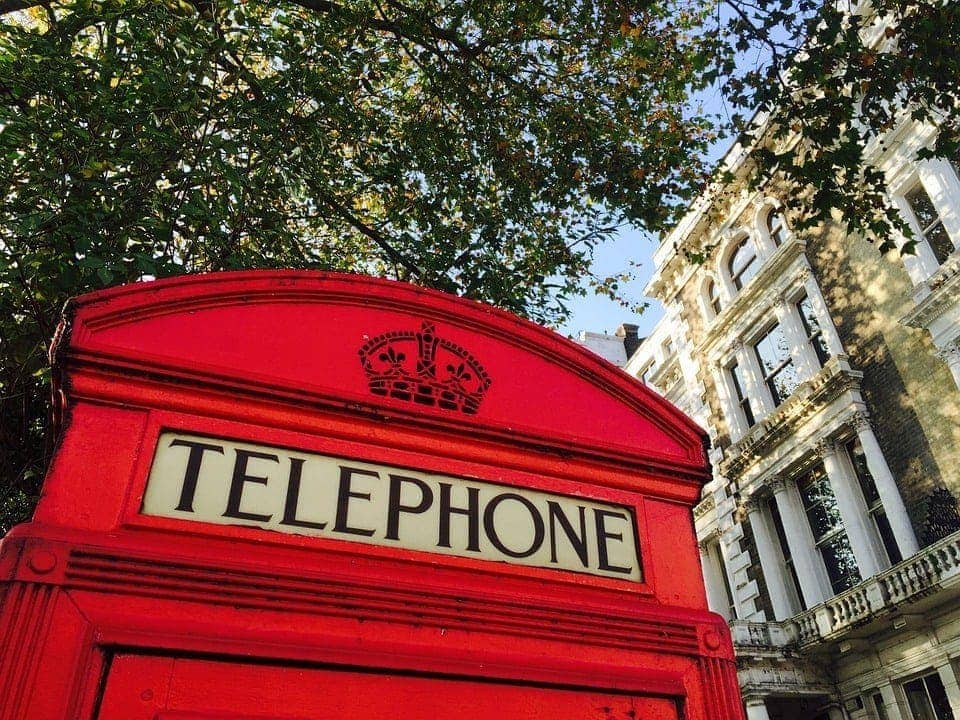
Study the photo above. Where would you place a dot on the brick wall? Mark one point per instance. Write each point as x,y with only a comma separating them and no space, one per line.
911,396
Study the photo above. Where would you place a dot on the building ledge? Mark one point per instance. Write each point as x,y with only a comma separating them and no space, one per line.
835,378
849,614
771,282
936,295
665,374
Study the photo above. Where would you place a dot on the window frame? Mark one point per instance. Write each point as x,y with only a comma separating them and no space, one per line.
713,297
781,233
769,377
736,277
646,371
924,681
742,398
816,337
924,232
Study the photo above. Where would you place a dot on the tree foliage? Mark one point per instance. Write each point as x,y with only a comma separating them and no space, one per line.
840,79
485,148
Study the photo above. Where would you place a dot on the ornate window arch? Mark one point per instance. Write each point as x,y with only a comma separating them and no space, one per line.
710,297
773,224
742,261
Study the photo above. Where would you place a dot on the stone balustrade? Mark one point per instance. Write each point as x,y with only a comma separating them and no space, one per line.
931,568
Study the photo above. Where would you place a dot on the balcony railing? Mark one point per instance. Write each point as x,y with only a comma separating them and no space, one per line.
933,567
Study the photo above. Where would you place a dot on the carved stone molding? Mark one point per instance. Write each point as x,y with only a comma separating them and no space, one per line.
778,484
754,502
950,354
826,447
860,421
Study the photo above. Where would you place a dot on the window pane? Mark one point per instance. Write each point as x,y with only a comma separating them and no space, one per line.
812,327
825,523
784,382
886,535
773,352
931,227
742,264
922,206
867,485
646,373
841,565
714,296
940,242
928,699
938,697
773,349
917,700
736,375
820,504
777,227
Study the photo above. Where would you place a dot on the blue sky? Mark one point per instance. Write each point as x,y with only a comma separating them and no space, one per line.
596,313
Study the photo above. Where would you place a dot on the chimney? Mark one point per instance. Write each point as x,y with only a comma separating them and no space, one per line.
631,342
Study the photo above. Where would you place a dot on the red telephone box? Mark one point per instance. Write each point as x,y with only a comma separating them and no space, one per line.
292,495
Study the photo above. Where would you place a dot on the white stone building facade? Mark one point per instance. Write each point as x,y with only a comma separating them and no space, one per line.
828,379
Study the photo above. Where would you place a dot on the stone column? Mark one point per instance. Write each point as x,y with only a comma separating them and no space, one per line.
890,702
806,558
716,593
779,586
951,685
853,510
886,487
756,708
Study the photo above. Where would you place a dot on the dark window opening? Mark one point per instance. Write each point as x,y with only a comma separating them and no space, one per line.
930,223
812,327
820,506
736,375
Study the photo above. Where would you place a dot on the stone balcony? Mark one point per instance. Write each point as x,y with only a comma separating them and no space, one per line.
847,615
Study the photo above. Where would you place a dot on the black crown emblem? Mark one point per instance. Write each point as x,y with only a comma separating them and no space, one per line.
423,368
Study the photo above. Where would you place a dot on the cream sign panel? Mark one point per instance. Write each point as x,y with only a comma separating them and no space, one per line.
232,483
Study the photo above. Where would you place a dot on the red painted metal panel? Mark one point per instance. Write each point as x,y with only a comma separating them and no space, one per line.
162,687
96,595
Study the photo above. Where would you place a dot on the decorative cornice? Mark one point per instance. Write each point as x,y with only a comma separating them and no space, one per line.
950,354
667,373
835,378
779,274
944,293
704,506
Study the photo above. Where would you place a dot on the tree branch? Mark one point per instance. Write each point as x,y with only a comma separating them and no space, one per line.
9,6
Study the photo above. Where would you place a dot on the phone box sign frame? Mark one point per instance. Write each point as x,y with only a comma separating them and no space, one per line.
307,495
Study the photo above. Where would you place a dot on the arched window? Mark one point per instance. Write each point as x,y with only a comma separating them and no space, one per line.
776,226
713,297
743,263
